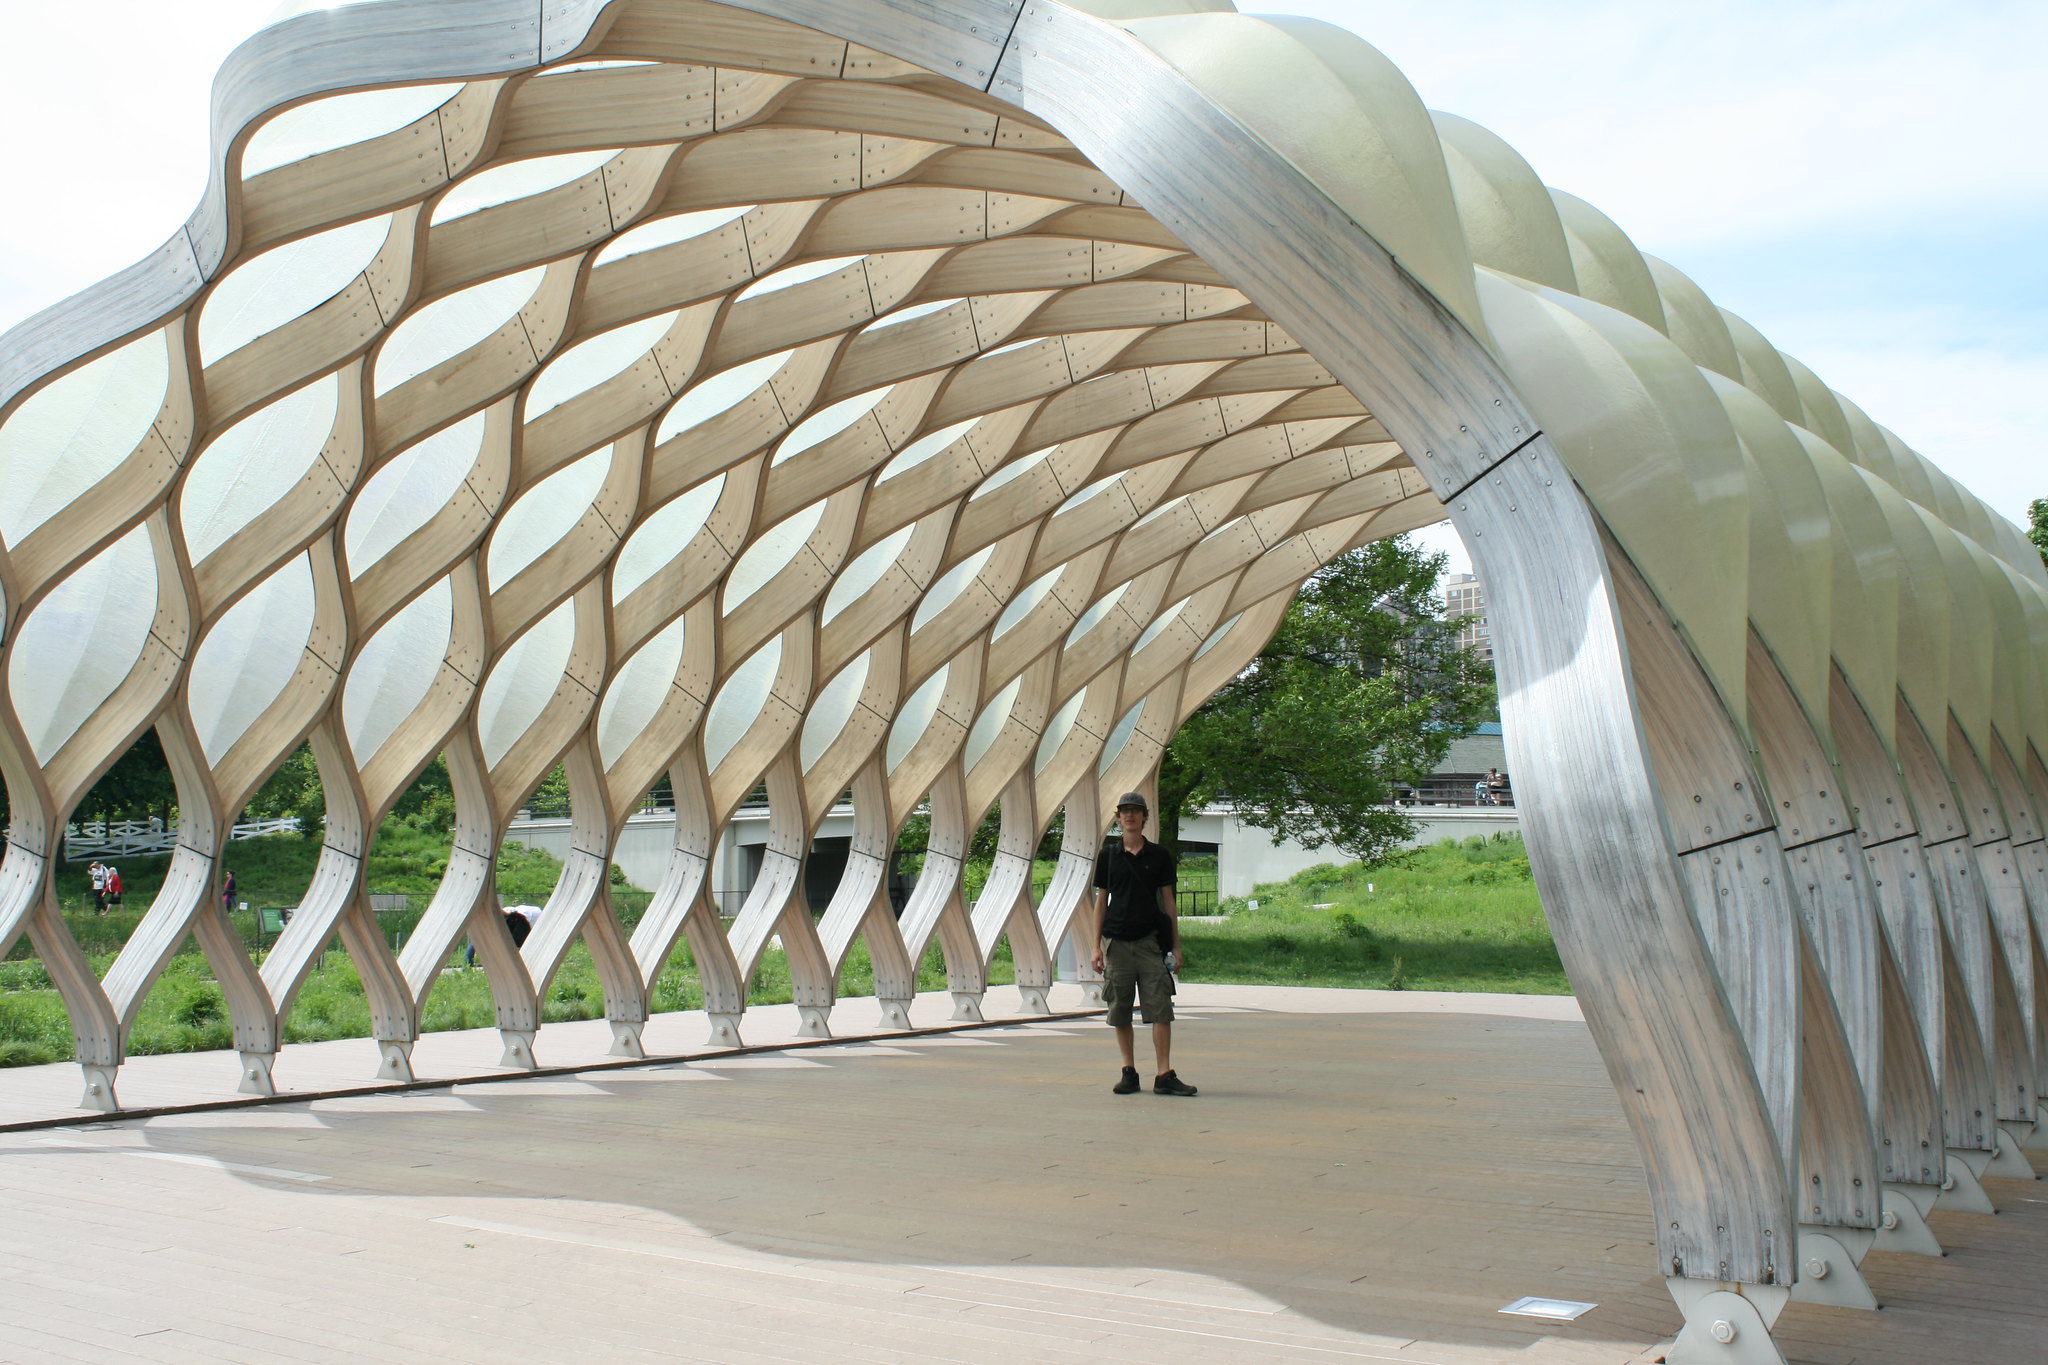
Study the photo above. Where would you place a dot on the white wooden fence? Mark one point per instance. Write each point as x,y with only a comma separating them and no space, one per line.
120,838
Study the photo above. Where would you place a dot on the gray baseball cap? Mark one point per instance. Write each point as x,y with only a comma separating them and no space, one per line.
1133,799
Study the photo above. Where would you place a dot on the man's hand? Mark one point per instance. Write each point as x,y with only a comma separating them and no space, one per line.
1096,962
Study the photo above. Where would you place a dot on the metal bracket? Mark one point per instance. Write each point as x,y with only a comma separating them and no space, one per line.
518,1048
1091,992
1034,999
1831,1267
1961,1192
725,1030
817,1021
966,1007
394,1059
2008,1163
1726,1323
99,1088
895,1013
256,1073
626,1038
1902,1226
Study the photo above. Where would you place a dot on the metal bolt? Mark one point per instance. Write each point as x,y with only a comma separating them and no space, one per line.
1890,1220
1722,1331
1817,1267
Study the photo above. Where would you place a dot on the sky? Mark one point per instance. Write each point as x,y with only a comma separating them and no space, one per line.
1864,182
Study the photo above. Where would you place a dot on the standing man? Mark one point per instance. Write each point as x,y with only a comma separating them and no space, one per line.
99,887
1137,942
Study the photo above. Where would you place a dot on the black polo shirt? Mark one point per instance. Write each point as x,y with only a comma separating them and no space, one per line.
1133,881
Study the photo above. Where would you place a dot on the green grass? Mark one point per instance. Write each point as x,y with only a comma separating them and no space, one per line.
1451,917
1448,917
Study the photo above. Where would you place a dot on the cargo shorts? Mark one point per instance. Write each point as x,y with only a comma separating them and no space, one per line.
1136,966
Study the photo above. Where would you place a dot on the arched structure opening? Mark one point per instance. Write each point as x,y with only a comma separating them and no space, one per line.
930,406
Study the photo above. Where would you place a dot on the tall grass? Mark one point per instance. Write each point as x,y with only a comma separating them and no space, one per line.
1448,917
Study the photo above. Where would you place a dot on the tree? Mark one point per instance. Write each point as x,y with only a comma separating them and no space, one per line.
1361,690
2037,529
293,790
137,787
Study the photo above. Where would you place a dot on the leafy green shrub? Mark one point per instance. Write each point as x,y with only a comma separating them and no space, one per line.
26,975
201,1006
21,1052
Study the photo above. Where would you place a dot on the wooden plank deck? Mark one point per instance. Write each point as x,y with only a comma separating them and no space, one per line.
1365,1176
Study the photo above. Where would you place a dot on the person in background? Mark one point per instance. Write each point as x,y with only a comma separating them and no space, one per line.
98,873
227,891
1496,786
113,887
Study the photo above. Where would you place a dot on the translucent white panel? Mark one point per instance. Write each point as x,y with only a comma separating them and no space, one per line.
1119,737
590,363
408,491
1096,613
1020,606
738,704
248,658
920,310
866,571
951,584
254,463
767,556
1093,490
81,641
77,430
339,121
821,426
520,687
567,67
677,227
449,326
395,668
1216,635
543,515
989,723
502,184
1161,622
1161,510
830,710
662,537
1010,471
720,393
637,692
923,448
797,274
1056,732
915,718
1225,529
1014,346
284,283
